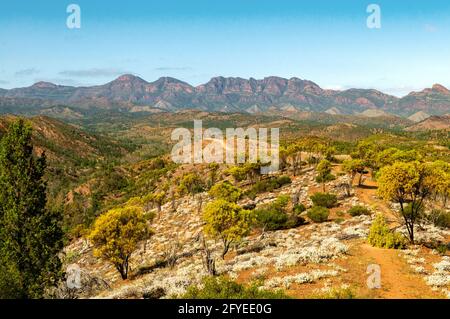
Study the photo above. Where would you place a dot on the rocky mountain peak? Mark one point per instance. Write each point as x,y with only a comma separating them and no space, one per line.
440,89
129,78
44,85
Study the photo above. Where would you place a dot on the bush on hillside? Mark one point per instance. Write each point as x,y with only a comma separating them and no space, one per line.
439,218
223,288
268,185
324,199
382,237
270,218
358,210
318,214
274,216
299,208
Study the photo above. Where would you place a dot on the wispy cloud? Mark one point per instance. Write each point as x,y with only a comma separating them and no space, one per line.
94,72
4,82
172,68
27,72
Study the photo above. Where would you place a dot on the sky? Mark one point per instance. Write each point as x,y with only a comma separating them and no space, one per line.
327,42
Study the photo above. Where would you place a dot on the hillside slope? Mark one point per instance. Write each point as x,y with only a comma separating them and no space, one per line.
432,123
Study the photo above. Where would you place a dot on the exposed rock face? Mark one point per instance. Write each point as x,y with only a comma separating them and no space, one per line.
432,101
373,113
419,116
232,94
432,123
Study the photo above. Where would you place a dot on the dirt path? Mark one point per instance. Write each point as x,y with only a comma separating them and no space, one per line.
367,193
397,279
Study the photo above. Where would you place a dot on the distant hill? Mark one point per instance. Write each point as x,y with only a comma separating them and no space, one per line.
419,116
432,123
224,94
373,113
66,146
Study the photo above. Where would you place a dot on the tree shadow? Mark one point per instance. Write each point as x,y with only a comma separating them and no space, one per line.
367,187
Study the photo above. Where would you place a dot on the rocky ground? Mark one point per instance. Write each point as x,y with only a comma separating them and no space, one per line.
305,261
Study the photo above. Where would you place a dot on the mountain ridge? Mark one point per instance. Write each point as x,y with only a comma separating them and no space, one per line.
231,94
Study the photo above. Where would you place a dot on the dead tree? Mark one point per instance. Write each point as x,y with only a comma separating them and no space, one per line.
209,262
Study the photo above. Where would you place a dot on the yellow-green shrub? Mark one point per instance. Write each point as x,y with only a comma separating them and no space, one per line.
381,236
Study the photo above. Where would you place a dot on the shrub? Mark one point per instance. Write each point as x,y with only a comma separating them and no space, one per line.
381,236
223,288
294,221
270,219
439,218
318,214
337,293
358,210
442,249
273,216
284,180
238,173
324,199
155,293
281,202
225,190
299,208
340,213
325,178
268,185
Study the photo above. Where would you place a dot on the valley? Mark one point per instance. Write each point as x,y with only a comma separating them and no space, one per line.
108,164
103,161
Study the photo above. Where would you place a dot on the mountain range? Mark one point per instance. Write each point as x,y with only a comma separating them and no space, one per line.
129,93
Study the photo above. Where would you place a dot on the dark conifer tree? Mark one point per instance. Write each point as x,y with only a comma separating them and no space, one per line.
30,234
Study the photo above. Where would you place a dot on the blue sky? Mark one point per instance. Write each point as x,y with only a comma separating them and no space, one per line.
327,42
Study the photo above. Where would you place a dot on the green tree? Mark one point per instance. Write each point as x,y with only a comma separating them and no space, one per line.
190,183
156,198
329,153
227,222
391,155
353,167
30,235
283,154
239,173
116,234
441,174
408,183
367,151
213,172
294,154
225,190
324,173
